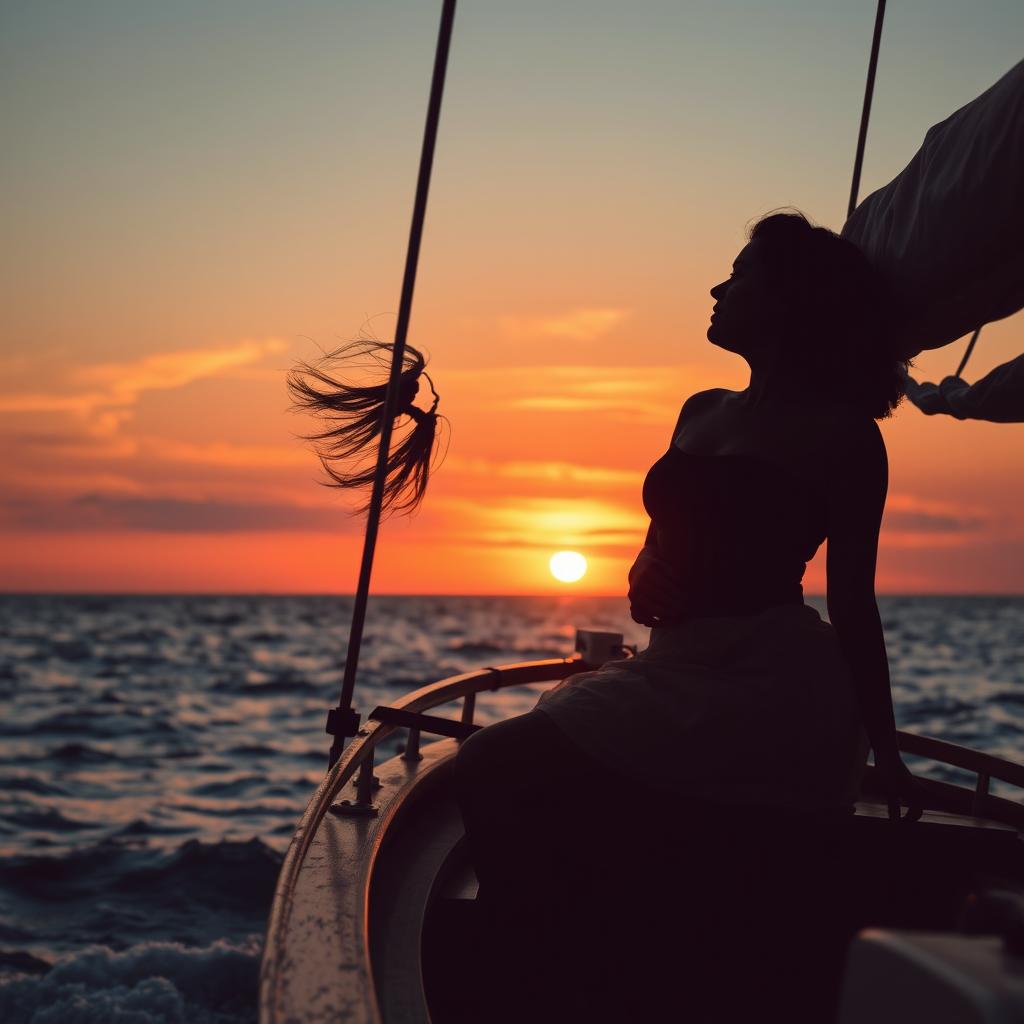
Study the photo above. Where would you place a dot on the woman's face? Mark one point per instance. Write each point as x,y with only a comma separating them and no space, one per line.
747,314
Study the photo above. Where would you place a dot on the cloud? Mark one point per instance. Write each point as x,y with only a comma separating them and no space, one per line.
641,412
92,512
225,453
637,394
582,324
152,449
124,382
547,472
104,394
923,520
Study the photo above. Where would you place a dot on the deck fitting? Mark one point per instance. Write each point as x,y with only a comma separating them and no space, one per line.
348,809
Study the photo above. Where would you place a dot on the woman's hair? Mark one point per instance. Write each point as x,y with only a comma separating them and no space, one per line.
839,340
351,410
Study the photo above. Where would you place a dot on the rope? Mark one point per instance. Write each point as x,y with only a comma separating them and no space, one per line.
967,354
869,89
344,711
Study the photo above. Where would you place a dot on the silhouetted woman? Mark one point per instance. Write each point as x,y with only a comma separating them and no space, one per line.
745,707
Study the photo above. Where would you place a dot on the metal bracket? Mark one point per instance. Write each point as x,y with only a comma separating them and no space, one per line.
423,723
342,722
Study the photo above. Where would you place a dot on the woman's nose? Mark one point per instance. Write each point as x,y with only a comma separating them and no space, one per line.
717,291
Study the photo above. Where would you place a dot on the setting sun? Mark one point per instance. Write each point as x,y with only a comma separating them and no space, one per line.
568,566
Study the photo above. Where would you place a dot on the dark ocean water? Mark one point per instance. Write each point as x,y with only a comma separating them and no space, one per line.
156,752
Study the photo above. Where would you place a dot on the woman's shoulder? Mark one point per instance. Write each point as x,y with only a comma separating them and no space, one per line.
699,403
701,400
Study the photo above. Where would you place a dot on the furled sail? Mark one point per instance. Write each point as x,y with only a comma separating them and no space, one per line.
948,230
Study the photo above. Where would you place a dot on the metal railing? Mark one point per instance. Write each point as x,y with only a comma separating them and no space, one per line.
985,766
408,712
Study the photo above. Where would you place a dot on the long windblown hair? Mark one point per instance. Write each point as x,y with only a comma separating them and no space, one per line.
840,338
351,407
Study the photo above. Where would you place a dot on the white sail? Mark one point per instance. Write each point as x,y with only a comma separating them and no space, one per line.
948,230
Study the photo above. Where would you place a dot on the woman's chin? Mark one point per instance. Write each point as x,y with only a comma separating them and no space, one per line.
723,341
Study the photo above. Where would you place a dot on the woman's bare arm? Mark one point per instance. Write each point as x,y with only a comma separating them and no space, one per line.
856,491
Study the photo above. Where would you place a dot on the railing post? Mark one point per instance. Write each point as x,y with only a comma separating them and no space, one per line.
980,792
412,747
365,782
468,707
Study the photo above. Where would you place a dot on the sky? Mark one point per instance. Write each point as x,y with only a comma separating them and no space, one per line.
197,195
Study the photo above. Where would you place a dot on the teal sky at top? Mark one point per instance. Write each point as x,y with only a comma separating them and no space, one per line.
253,157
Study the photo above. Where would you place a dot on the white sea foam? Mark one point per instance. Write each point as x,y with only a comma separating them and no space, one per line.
152,983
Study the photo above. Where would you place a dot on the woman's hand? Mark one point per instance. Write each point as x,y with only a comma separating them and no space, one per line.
900,788
925,395
655,595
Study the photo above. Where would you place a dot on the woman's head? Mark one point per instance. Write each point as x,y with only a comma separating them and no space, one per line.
806,302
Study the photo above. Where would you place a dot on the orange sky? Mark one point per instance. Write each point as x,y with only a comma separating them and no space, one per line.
188,225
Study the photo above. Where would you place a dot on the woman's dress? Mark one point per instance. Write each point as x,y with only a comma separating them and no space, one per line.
746,698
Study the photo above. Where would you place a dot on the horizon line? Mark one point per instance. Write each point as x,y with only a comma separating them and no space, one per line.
495,594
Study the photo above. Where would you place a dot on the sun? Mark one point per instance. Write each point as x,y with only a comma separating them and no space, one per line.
568,566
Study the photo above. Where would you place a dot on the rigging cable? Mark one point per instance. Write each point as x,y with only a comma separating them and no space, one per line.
343,721
869,90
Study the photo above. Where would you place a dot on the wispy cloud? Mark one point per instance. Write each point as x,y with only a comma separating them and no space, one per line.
912,521
103,394
637,394
225,453
134,513
585,323
79,461
547,472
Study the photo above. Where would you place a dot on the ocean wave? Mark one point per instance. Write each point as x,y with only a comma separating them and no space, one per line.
43,818
120,892
475,648
230,787
71,650
36,786
283,683
1007,697
150,983
227,867
107,724
79,752
251,750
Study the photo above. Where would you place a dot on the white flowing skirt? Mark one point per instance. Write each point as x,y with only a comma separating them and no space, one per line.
753,709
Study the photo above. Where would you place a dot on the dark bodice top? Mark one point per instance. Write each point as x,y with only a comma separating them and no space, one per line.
738,530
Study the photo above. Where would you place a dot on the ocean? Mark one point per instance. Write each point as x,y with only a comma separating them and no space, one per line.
157,751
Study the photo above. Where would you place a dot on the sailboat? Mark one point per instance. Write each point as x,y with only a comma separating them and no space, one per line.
377,880
374,918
